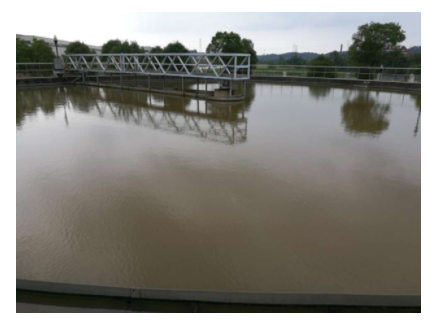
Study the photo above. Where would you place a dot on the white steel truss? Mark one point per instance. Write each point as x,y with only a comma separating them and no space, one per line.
197,65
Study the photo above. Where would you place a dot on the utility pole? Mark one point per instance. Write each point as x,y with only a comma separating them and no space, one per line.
200,45
55,42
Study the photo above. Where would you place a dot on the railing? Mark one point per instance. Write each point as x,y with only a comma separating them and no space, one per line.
197,65
221,66
31,70
387,74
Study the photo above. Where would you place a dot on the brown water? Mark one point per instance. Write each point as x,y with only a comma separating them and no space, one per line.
296,189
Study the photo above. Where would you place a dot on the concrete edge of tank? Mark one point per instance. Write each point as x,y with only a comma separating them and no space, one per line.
262,298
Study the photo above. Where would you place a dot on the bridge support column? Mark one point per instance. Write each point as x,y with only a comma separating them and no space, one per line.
149,83
206,86
230,88
244,88
182,85
197,93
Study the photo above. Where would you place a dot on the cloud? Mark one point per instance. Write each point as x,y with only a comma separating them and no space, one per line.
270,32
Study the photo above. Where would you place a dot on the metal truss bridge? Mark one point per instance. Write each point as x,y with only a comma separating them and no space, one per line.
197,65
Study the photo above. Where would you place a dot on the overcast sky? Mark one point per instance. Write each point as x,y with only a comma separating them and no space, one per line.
270,32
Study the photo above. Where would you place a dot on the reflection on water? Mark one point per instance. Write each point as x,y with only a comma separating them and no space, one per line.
319,92
28,102
363,115
207,120
417,100
315,190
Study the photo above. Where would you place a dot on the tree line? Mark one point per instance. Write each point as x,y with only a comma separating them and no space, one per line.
222,42
374,45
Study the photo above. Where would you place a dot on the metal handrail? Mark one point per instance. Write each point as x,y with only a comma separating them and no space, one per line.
52,64
222,70
165,54
34,70
307,66
397,74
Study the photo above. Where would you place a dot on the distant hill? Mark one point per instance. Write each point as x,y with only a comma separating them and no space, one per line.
310,55
414,50
305,55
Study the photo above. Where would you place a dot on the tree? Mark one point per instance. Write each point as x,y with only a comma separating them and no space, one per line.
296,60
395,58
134,48
224,42
116,46
337,58
373,40
230,42
248,48
23,52
321,60
41,52
415,60
175,47
110,46
156,50
281,60
78,47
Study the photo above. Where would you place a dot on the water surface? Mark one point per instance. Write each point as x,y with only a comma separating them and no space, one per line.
296,189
